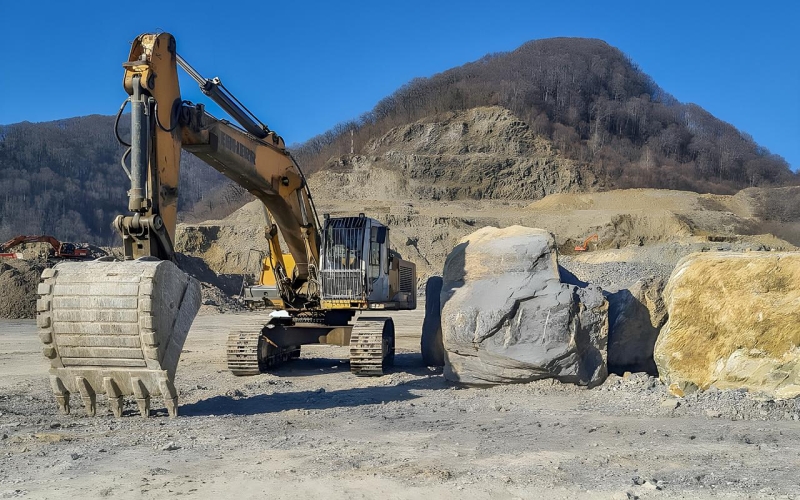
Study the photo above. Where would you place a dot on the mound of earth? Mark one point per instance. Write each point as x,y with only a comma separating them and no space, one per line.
650,228
18,282
233,245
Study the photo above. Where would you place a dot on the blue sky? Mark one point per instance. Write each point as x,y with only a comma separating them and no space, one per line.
302,67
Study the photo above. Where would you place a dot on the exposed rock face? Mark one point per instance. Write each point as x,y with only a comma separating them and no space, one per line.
636,316
431,343
507,317
484,152
733,323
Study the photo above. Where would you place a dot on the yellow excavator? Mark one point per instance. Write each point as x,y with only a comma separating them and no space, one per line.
118,327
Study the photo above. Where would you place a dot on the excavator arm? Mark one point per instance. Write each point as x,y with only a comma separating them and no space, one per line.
268,172
118,327
252,156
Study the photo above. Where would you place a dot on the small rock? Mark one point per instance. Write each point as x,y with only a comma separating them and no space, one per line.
171,446
55,425
651,486
75,456
713,413
638,481
670,404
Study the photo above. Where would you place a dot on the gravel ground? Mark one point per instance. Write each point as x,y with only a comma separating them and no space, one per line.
311,429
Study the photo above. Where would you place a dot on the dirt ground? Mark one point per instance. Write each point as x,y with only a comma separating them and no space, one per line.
311,430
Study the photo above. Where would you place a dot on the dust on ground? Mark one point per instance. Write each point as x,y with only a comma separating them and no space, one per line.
311,429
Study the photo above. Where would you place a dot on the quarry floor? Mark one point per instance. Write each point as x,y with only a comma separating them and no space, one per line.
312,430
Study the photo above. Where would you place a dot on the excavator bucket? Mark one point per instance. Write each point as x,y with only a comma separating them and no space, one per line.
115,328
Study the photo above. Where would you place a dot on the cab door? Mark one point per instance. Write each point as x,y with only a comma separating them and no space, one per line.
378,264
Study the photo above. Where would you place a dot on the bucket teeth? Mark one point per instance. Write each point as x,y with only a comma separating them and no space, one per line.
87,395
114,396
61,394
115,328
62,400
144,406
170,397
142,396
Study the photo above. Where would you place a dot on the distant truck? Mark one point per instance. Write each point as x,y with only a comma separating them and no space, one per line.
59,250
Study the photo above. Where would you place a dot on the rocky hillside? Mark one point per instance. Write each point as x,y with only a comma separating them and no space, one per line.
481,153
594,104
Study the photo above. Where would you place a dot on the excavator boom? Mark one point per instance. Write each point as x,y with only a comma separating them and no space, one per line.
118,327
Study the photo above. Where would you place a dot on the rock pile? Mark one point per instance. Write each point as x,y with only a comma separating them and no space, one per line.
507,317
18,282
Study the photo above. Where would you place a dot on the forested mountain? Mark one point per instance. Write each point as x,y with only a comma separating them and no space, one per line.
599,112
64,178
594,104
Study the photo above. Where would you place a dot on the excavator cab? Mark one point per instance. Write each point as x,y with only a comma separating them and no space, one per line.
359,269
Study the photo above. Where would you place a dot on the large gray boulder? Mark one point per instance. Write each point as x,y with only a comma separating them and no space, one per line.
507,317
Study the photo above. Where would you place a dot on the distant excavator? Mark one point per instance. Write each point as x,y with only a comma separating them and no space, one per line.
585,246
59,250
118,328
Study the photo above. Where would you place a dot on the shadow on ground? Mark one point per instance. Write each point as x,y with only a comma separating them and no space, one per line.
321,399
404,362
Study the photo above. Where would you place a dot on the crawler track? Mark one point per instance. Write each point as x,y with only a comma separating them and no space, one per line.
371,346
251,353
242,352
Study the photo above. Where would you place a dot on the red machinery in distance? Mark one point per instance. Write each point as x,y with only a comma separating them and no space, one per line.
59,250
585,246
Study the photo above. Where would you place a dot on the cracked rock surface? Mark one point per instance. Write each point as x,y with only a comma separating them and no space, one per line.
507,317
